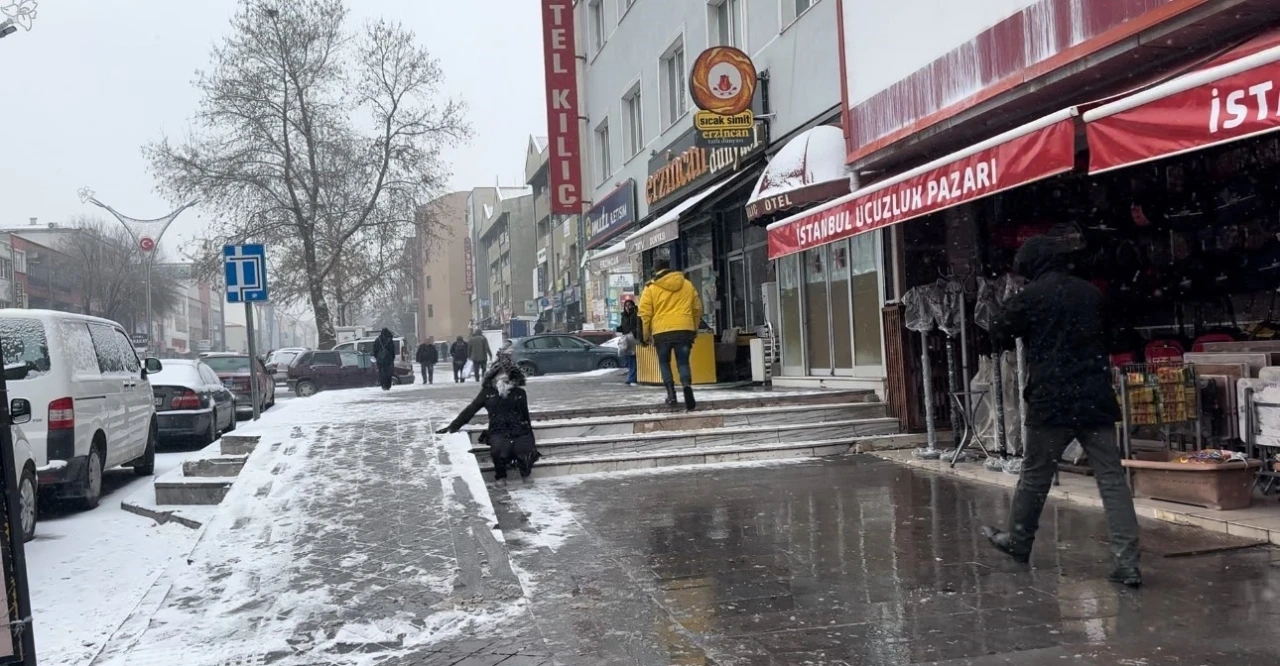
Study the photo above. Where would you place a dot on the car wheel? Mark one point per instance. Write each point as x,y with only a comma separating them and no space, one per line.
529,369
608,364
211,433
27,503
231,422
92,490
306,389
146,466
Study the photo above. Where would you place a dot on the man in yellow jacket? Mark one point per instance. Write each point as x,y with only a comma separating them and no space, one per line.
670,311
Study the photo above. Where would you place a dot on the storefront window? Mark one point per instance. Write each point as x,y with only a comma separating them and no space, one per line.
757,274
866,301
841,312
817,314
792,327
700,269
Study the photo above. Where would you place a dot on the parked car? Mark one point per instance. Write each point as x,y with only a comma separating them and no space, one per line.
24,462
87,404
596,337
543,354
279,360
191,401
316,371
233,370
402,362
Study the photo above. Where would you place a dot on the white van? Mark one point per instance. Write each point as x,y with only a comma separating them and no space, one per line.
91,406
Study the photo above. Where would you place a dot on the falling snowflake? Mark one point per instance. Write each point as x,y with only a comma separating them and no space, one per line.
23,12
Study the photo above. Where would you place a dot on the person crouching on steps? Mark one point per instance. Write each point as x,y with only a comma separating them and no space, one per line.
510,433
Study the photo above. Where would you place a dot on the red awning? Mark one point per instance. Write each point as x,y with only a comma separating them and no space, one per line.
1029,153
1231,97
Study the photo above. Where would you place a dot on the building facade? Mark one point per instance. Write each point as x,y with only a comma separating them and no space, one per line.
442,281
505,243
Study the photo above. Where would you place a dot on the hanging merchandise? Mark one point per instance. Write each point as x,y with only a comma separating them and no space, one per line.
919,317
948,311
983,311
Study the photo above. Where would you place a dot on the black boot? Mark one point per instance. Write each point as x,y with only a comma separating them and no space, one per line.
1127,576
671,395
689,403
1000,539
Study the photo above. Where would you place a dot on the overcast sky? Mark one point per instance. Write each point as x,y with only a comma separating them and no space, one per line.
94,80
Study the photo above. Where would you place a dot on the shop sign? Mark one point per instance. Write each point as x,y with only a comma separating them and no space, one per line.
468,265
542,255
565,162
530,306
1233,101
683,166
609,262
1017,158
723,84
615,213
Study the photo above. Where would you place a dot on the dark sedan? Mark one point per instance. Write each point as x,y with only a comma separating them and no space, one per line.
543,354
233,370
191,401
316,371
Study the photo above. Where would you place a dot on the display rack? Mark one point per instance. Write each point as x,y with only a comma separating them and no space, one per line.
1163,397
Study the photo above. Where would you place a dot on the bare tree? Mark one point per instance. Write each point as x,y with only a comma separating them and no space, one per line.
110,271
316,139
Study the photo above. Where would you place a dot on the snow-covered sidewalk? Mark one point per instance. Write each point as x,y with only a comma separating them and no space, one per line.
353,535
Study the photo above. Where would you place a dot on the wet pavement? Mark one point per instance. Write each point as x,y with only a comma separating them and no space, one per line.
861,562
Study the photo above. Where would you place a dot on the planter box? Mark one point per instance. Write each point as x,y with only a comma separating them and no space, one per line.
1224,487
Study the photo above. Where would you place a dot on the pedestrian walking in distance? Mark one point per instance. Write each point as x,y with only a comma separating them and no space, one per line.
481,354
428,356
1069,397
459,352
384,353
670,310
510,432
630,329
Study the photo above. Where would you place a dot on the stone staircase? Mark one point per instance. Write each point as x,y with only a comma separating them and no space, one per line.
772,426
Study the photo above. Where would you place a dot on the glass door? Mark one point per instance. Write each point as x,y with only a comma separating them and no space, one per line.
841,309
791,320
738,292
865,268
817,311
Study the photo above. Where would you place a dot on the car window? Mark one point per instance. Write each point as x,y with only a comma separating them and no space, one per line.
350,359
573,343
78,348
127,353
24,346
366,361
110,360
177,374
322,359
228,364
208,375
543,343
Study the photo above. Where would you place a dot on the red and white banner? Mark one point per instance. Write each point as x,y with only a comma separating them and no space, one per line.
469,265
565,161
1040,150
1216,104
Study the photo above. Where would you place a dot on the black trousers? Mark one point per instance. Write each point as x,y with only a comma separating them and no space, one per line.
479,368
428,373
385,373
1045,446
458,367
507,451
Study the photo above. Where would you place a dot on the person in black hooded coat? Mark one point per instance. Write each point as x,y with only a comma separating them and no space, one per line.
384,354
1069,397
510,432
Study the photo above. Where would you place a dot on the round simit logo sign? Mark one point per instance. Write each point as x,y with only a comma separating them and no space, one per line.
723,81
147,243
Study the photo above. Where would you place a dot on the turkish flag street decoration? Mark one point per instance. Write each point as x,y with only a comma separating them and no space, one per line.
1204,108
565,161
1037,151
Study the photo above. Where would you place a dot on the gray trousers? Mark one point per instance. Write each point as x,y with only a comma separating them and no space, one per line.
1045,446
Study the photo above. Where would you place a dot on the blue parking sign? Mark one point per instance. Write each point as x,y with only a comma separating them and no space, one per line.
245,267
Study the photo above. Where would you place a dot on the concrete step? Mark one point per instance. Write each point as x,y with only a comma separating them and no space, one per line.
621,462
682,441
707,400
637,424
199,491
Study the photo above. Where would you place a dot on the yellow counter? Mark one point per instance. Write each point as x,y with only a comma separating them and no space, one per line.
702,361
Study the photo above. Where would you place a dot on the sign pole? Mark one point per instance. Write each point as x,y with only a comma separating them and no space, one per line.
151,340
253,358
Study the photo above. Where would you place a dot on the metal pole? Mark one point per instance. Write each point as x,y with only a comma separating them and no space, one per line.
150,338
253,359
19,602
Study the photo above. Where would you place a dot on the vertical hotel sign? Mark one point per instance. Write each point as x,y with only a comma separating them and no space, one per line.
565,163
469,264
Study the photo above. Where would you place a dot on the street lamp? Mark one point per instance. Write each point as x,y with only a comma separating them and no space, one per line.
146,235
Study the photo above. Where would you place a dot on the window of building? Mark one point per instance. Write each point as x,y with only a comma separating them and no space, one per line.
727,22
623,7
431,311
633,113
794,8
596,11
602,151
675,98
428,281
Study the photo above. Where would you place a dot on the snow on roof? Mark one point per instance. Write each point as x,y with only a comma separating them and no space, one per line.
540,142
816,156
